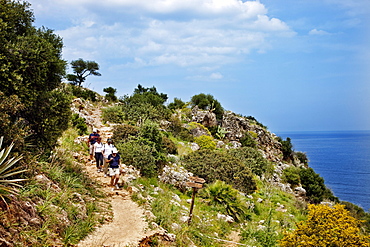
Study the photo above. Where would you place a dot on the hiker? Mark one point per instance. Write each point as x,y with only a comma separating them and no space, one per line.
114,168
91,141
98,148
107,150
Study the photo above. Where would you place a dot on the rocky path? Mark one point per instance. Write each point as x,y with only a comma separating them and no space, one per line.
128,226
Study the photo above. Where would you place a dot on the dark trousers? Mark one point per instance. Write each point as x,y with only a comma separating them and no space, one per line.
99,160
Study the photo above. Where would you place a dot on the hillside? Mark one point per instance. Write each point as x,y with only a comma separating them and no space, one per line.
256,188
274,182
195,174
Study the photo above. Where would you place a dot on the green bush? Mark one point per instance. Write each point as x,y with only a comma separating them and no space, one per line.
79,123
291,176
251,158
205,142
123,132
84,93
113,114
176,104
227,199
209,103
248,141
12,128
314,185
254,120
178,130
168,145
287,148
138,113
150,132
139,155
110,94
302,157
215,165
145,104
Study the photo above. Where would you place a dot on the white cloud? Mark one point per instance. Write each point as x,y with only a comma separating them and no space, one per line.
216,76
202,33
318,32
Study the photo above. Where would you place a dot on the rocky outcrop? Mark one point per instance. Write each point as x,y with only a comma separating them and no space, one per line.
237,126
206,118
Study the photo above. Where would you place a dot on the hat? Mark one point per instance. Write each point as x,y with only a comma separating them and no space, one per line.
95,129
114,150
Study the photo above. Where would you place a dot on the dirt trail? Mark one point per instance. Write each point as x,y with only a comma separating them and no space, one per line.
128,226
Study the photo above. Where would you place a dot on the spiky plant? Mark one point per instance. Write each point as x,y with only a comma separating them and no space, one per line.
224,195
7,172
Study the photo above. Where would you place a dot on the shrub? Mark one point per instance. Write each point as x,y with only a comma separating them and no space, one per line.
291,176
287,148
227,199
12,128
326,226
248,141
176,104
254,120
168,145
314,185
150,132
110,94
139,155
215,165
251,158
79,123
84,93
302,157
113,114
145,104
207,102
123,132
205,142
178,130
195,125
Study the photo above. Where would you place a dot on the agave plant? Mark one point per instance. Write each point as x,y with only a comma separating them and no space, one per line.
8,183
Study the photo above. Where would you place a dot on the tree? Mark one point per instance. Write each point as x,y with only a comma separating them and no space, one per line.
31,71
81,70
215,165
110,94
286,148
209,103
176,104
327,226
144,104
314,185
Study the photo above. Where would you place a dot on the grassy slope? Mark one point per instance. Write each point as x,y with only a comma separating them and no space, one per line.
59,205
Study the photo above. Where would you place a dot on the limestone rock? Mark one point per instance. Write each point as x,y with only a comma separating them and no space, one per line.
206,118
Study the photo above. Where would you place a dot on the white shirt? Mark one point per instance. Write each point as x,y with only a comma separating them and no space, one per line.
107,149
98,147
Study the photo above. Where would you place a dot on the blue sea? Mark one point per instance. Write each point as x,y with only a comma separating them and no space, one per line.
342,158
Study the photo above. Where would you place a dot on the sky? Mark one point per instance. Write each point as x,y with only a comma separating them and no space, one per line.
294,65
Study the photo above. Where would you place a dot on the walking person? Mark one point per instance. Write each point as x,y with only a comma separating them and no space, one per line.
98,148
114,168
107,150
91,141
